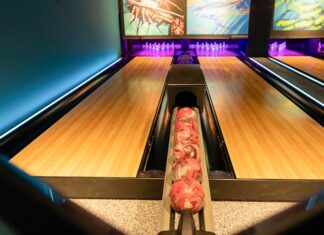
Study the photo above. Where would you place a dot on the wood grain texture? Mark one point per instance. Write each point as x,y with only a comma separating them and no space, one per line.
106,133
267,136
308,64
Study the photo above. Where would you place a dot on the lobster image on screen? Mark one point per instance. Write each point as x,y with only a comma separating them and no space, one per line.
153,17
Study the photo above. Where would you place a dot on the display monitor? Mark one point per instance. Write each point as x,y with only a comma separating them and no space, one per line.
151,18
298,18
218,17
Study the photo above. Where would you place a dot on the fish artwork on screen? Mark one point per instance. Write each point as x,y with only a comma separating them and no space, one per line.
298,15
217,17
154,17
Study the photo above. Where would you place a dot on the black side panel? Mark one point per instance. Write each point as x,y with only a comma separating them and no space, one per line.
32,207
157,150
152,189
306,217
260,24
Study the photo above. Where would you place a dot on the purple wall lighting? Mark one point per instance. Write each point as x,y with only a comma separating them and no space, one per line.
320,48
214,48
280,49
296,47
161,48
207,47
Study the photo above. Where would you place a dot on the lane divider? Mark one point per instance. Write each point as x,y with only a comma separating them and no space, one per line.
289,84
298,72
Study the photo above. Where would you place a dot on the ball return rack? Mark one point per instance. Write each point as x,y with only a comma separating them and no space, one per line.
187,219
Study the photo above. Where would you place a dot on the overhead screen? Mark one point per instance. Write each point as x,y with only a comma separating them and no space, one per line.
178,18
217,17
298,18
298,15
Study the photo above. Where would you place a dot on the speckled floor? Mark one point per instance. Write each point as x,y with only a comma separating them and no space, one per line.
143,216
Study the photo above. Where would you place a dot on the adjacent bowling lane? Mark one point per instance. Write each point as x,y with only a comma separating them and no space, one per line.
311,65
267,136
106,133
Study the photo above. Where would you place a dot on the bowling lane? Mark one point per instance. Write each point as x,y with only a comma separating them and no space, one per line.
267,136
308,64
106,133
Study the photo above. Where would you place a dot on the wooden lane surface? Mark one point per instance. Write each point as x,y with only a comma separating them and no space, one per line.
308,64
267,136
105,135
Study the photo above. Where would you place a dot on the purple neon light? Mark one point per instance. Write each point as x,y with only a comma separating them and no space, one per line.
320,48
154,53
285,52
167,48
217,53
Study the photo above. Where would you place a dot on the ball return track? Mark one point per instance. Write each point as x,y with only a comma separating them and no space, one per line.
205,215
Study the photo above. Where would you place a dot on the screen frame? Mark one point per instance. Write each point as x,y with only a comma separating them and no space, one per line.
297,33
185,36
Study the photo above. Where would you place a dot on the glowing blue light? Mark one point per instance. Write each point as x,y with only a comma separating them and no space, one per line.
57,100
